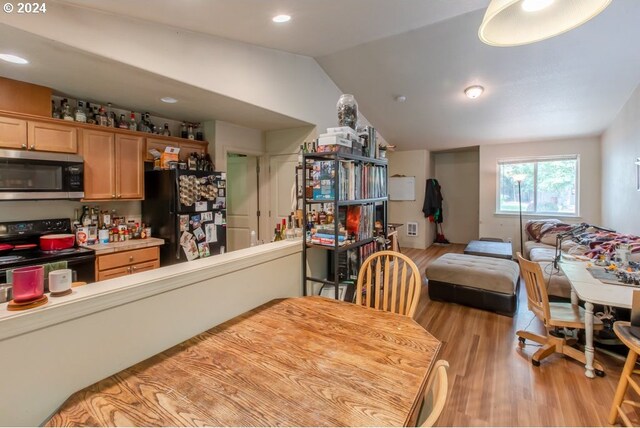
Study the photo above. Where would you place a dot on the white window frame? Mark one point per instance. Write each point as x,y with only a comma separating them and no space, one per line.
537,159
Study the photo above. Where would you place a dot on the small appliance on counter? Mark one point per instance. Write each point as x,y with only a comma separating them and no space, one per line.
42,243
188,210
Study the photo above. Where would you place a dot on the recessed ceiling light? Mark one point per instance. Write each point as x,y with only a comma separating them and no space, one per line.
168,100
474,91
535,5
401,98
13,58
281,18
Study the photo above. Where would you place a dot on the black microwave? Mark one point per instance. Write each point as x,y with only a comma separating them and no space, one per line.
27,175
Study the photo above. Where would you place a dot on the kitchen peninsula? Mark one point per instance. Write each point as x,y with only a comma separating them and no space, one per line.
110,325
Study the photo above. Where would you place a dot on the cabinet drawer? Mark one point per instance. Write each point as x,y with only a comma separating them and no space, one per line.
142,267
112,273
127,258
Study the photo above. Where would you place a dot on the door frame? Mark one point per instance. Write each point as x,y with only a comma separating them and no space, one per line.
263,177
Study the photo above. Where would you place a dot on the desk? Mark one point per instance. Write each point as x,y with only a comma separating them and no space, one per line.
294,362
585,287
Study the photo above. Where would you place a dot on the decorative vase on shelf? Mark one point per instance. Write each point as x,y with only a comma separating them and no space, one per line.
347,111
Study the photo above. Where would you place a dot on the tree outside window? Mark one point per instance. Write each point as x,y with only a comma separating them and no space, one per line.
549,186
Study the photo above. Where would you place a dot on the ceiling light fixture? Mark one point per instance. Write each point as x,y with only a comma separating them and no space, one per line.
281,18
13,59
535,5
401,99
474,91
520,22
168,100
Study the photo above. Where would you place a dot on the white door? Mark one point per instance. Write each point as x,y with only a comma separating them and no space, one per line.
282,176
242,200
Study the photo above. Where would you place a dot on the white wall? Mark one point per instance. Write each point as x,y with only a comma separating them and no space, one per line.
458,175
506,226
33,210
411,163
230,138
620,149
51,352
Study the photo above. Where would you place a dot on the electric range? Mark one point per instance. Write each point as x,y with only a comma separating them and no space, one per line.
24,236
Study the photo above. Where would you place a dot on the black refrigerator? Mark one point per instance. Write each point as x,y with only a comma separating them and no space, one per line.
188,210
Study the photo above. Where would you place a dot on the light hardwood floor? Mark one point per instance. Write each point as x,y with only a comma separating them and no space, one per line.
492,381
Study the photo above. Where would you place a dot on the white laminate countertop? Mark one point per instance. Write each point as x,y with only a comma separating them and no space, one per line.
133,244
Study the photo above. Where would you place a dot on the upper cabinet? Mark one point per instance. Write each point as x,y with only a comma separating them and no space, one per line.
52,137
13,133
113,165
186,146
43,136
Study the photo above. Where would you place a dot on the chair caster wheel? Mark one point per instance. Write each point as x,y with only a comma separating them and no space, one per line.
535,363
599,373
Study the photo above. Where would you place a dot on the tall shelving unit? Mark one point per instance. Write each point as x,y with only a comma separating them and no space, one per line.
336,250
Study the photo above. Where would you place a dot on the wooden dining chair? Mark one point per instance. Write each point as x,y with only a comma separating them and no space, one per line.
623,331
554,314
435,395
390,281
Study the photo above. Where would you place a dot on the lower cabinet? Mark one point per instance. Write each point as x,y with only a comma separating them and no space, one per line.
114,265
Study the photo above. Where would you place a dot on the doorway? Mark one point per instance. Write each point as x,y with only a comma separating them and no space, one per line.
242,200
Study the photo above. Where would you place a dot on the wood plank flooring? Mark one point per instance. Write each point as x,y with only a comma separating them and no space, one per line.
492,381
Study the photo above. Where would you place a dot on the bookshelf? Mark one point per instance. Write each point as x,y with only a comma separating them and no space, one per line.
353,192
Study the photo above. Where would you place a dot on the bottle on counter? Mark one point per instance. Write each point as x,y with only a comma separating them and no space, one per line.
111,117
66,111
190,134
55,113
290,233
254,238
122,123
166,131
102,118
80,115
133,126
91,119
85,218
150,126
183,130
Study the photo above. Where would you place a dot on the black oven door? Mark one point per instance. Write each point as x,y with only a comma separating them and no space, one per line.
83,268
26,175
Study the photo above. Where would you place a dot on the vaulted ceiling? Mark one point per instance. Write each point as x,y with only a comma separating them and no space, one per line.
429,51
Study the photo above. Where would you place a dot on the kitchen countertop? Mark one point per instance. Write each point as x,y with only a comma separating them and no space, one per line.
133,244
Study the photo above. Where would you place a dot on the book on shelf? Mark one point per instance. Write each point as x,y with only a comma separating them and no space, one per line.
323,179
360,221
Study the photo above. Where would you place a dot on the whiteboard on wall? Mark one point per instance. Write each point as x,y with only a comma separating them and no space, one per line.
402,188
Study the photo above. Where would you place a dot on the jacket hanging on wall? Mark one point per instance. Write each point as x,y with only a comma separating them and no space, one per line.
432,207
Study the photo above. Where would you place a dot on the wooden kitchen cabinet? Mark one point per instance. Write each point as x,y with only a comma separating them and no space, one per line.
13,133
186,146
113,165
124,263
129,167
52,137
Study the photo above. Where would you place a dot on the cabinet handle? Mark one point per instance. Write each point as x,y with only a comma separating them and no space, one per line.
119,196
130,258
134,268
129,270
24,146
33,147
113,196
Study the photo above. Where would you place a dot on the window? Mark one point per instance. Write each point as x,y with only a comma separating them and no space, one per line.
548,186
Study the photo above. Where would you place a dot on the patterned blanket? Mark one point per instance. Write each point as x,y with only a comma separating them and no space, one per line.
597,242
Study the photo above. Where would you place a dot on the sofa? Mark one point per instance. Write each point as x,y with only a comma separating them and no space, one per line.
541,244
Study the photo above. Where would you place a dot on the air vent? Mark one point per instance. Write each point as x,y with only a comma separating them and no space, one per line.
412,229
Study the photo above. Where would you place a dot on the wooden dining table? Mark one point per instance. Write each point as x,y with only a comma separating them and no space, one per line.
307,361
